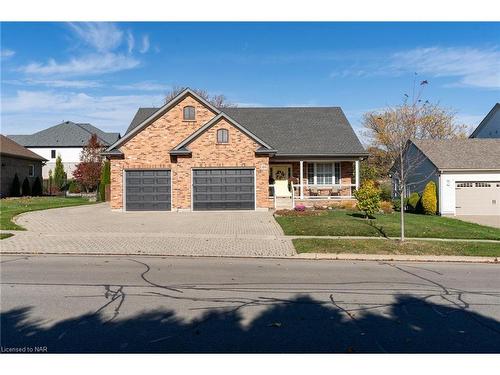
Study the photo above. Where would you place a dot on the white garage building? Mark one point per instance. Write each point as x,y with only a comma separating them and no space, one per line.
466,172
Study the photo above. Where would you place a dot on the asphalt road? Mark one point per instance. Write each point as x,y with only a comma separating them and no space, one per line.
152,304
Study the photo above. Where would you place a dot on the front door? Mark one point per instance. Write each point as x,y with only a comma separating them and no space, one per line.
280,174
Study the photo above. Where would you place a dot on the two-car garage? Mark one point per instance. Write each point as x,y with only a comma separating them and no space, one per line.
212,189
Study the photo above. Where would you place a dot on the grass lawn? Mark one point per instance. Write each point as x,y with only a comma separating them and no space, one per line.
312,245
11,207
5,235
350,223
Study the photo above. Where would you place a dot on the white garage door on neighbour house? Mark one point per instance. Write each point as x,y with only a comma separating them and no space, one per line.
477,198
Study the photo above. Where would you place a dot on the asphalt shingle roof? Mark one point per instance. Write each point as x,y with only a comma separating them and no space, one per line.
11,148
472,153
66,134
291,130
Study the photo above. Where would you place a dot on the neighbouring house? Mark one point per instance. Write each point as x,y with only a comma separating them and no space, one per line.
466,173
66,139
189,155
490,126
17,159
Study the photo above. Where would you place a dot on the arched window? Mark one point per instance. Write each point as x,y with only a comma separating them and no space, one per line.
189,113
222,136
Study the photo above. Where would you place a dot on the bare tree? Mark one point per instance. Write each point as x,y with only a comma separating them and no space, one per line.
392,128
218,101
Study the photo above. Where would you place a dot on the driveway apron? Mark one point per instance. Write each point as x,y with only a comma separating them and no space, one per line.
95,229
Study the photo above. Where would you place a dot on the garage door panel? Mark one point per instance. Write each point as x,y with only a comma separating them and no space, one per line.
223,189
148,190
477,198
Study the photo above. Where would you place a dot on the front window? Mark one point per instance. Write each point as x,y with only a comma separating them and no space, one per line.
222,136
31,172
189,113
323,173
53,154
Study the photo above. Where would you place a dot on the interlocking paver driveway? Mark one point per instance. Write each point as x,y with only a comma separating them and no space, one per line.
96,229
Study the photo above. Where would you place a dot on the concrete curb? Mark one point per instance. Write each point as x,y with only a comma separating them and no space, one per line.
390,238
304,256
399,258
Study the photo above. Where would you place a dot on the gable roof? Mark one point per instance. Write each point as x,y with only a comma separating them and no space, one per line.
467,154
485,121
182,149
11,148
291,131
66,134
147,117
301,130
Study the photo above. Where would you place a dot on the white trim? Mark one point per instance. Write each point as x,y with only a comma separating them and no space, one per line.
357,173
301,179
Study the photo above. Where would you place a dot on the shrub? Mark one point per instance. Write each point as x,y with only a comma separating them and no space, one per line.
429,199
37,187
15,189
396,203
26,190
385,191
386,207
300,207
368,196
413,200
73,187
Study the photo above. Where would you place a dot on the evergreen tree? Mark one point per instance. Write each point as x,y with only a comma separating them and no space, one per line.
15,189
37,187
26,190
429,199
105,180
59,174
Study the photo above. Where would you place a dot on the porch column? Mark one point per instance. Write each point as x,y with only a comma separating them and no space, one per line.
357,174
301,179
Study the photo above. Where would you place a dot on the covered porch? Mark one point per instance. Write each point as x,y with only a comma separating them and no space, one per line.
312,180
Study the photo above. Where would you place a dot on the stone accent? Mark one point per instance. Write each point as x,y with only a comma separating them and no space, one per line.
150,149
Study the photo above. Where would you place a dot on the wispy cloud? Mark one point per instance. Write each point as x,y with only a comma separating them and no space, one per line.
106,53
130,41
44,108
145,44
102,36
92,64
6,53
144,86
59,83
472,66
464,66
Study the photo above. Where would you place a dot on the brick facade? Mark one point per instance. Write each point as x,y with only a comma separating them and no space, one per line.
150,149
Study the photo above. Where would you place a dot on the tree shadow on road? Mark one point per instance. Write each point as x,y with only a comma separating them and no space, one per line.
299,325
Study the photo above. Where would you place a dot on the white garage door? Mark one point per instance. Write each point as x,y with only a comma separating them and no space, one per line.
477,198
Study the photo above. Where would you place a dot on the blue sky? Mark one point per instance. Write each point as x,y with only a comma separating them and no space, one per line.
102,72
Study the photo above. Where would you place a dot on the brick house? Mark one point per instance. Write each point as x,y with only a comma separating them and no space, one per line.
188,155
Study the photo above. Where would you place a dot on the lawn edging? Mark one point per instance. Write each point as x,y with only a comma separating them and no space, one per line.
397,257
